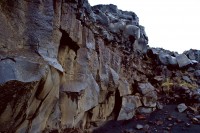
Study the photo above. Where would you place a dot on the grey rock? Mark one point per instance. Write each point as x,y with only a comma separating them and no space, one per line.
196,95
183,60
187,79
172,61
132,30
181,107
144,88
124,87
193,54
139,126
197,116
116,27
53,62
191,69
158,78
150,99
145,110
197,73
21,70
163,58
89,98
129,105
115,77
101,18
74,86
167,59
190,55
159,105
194,62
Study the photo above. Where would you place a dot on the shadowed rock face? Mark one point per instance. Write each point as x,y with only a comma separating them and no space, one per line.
65,64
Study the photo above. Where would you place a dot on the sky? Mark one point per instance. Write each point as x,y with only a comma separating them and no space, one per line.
170,24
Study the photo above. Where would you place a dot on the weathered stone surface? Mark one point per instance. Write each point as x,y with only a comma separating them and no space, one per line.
104,110
164,58
74,86
193,54
172,61
196,95
139,127
145,88
187,79
117,27
197,73
145,110
89,99
182,107
132,30
124,87
129,105
183,60
150,99
167,59
21,70
70,24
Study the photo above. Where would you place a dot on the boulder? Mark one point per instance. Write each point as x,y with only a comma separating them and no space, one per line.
183,60
167,59
187,79
116,27
182,107
129,105
193,54
172,61
132,30
139,127
101,18
150,99
145,88
145,110
163,58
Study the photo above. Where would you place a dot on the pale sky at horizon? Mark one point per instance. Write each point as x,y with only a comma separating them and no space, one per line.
170,24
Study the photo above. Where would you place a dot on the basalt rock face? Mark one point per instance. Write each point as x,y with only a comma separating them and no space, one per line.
65,64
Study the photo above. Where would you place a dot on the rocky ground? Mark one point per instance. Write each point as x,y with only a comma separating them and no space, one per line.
166,120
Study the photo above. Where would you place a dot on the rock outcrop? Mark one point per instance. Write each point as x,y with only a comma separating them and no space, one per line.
66,65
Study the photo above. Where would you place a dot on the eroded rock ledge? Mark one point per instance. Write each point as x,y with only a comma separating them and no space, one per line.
65,64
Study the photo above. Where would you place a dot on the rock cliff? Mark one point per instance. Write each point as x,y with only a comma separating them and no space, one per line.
66,65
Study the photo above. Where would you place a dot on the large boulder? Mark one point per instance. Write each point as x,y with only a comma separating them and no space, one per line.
183,60
167,59
132,30
193,54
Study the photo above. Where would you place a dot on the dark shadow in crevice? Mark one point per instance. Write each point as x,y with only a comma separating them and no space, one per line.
118,104
67,41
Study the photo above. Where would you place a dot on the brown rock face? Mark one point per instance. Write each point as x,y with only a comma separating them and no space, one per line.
65,64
